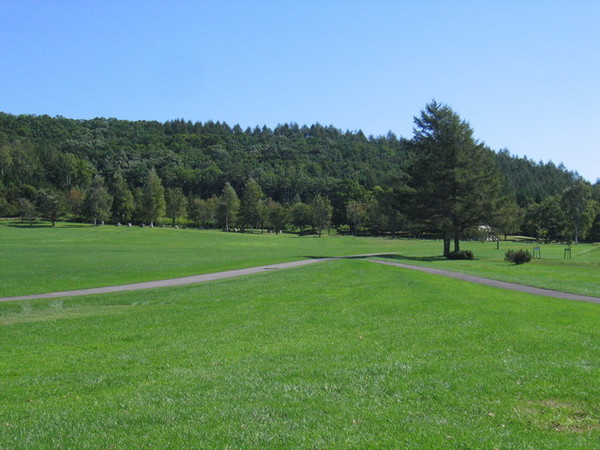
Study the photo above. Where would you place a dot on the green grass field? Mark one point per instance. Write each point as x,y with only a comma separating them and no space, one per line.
340,354
580,274
46,259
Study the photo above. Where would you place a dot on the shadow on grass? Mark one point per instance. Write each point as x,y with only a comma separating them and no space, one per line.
394,256
44,224
399,257
27,225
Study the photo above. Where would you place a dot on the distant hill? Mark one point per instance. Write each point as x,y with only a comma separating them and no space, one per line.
288,162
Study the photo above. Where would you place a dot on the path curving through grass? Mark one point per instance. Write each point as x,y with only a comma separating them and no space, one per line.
260,269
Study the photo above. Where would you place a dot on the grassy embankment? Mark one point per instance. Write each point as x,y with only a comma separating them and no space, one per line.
341,354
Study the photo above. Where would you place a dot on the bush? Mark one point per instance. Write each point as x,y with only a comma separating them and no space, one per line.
461,254
517,257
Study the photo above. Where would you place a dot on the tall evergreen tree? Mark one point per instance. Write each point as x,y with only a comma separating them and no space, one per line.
455,179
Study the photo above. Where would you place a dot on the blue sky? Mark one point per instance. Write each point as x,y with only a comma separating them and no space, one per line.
525,74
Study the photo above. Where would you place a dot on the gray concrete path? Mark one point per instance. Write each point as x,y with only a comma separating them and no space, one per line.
494,283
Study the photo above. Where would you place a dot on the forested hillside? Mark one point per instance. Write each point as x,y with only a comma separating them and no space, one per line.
290,164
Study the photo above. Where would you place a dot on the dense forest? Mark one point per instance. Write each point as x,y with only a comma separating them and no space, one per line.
104,170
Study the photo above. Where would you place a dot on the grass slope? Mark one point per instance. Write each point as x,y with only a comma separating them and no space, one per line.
343,354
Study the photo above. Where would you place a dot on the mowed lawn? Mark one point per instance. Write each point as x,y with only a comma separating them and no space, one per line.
68,256
580,274
340,354
46,259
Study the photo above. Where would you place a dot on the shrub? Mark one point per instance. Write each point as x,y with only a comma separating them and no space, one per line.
461,254
517,257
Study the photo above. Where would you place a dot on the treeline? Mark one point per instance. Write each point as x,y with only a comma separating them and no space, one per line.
106,169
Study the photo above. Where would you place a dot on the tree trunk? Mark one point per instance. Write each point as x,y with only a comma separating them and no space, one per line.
446,246
456,244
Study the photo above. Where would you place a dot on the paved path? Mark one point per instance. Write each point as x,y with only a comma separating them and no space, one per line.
253,270
494,283
165,283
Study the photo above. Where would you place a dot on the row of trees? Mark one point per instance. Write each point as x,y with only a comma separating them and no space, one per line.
441,183
114,202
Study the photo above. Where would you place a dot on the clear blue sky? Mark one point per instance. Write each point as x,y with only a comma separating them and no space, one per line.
525,74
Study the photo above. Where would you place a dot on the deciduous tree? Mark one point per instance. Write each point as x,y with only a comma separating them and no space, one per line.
176,204
251,205
97,201
321,213
228,206
49,204
123,202
153,198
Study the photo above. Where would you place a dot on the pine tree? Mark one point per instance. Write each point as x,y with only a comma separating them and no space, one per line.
456,183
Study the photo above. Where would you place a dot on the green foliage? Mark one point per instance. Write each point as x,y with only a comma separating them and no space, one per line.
251,205
321,213
290,163
301,216
546,221
203,212
152,199
49,205
97,202
455,181
75,199
176,204
579,208
517,256
508,217
278,215
27,210
123,204
228,206
357,213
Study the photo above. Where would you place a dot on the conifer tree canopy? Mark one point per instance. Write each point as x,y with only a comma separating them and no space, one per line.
456,183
